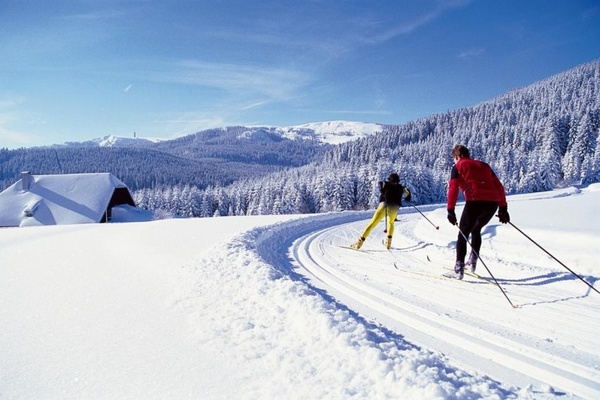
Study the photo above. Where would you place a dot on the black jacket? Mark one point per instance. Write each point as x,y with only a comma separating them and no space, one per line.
391,193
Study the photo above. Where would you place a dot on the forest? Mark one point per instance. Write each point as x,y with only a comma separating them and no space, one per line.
215,157
536,138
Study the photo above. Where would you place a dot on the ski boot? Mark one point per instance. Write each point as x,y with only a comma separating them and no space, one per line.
459,270
358,244
388,242
472,262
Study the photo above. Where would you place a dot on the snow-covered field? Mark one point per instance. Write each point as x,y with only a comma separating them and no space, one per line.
272,307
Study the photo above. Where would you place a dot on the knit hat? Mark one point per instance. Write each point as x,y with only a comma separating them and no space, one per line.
393,178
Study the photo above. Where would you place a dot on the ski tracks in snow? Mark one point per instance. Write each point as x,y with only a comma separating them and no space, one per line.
547,340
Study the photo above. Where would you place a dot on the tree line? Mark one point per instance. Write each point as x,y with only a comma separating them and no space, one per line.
536,138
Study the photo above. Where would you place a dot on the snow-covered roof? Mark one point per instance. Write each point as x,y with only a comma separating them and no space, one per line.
61,199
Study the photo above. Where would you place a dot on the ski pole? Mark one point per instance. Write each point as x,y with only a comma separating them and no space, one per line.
486,267
386,217
434,225
556,259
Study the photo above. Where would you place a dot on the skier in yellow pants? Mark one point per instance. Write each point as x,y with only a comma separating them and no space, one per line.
390,201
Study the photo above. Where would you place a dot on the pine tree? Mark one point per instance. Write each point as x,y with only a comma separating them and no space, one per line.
549,159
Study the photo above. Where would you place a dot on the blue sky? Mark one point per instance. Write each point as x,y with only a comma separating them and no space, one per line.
74,70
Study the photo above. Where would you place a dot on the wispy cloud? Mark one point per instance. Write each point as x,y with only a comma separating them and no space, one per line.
253,105
12,138
184,123
273,84
350,112
229,93
471,52
94,16
10,102
12,119
415,23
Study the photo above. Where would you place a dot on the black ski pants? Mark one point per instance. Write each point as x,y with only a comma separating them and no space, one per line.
475,216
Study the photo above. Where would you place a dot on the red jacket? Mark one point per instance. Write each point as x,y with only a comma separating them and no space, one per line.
478,182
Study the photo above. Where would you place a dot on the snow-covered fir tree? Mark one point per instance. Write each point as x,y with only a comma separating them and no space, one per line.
535,138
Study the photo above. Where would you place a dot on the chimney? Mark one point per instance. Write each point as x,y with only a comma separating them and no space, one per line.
26,180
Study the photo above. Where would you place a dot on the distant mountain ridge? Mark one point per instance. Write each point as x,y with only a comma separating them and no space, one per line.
329,132
213,157
111,141
332,132
539,137
536,138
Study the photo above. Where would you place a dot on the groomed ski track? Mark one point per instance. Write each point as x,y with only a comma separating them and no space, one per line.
470,322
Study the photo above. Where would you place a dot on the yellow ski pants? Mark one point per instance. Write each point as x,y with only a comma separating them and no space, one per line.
380,213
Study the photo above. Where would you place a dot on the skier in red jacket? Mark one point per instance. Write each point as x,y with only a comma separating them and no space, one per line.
484,194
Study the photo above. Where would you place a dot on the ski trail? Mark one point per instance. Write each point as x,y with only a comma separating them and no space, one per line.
455,318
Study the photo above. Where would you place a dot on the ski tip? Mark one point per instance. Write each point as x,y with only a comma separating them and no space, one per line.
428,259
347,247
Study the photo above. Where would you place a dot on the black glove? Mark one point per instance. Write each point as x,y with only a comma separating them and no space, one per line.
408,197
503,215
452,216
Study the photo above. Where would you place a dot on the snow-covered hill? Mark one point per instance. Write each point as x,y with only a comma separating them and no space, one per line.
271,307
115,141
332,132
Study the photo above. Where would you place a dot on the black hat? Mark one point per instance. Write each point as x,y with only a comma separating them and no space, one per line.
394,178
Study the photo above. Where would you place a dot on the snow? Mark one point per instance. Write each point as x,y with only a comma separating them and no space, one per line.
331,132
57,199
334,132
271,307
120,141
